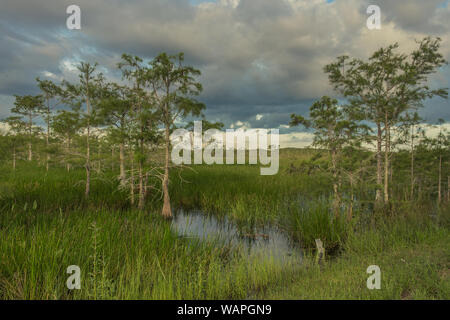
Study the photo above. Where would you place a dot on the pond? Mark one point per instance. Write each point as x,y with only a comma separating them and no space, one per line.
266,242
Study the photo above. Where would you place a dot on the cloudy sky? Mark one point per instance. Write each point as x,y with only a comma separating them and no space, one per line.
261,60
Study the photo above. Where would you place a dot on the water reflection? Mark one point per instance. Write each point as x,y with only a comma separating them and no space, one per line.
268,241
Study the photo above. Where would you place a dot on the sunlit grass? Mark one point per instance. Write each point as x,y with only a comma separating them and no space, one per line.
46,224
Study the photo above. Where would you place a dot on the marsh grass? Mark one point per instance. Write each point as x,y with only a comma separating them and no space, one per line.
315,220
46,225
131,256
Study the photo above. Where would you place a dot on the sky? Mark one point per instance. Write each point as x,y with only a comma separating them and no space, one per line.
261,60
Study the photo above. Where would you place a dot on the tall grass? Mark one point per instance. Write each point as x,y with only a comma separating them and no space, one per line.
46,225
308,221
121,256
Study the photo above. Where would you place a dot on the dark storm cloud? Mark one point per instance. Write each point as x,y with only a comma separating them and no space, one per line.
21,60
257,57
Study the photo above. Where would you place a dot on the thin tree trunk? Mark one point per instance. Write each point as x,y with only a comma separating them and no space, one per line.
166,210
122,176
350,211
141,186
379,161
386,161
48,135
14,158
146,185
141,198
336,202
440,178
30,152
391,174
68,152
132,178
140,163
412,164
88,150
88,166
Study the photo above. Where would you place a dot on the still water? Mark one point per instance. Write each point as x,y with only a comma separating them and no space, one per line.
268,242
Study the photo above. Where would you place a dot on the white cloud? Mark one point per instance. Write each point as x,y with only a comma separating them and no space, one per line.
296,140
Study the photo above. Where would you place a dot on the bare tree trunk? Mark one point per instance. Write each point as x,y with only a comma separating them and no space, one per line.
132,179
48,135
122,176
141,186
336,202
440,178
14,158
68,152
386,161
30,125
350,211
412,164
141,169
146,185
166,210
379,161
391,174
88,150
141,198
